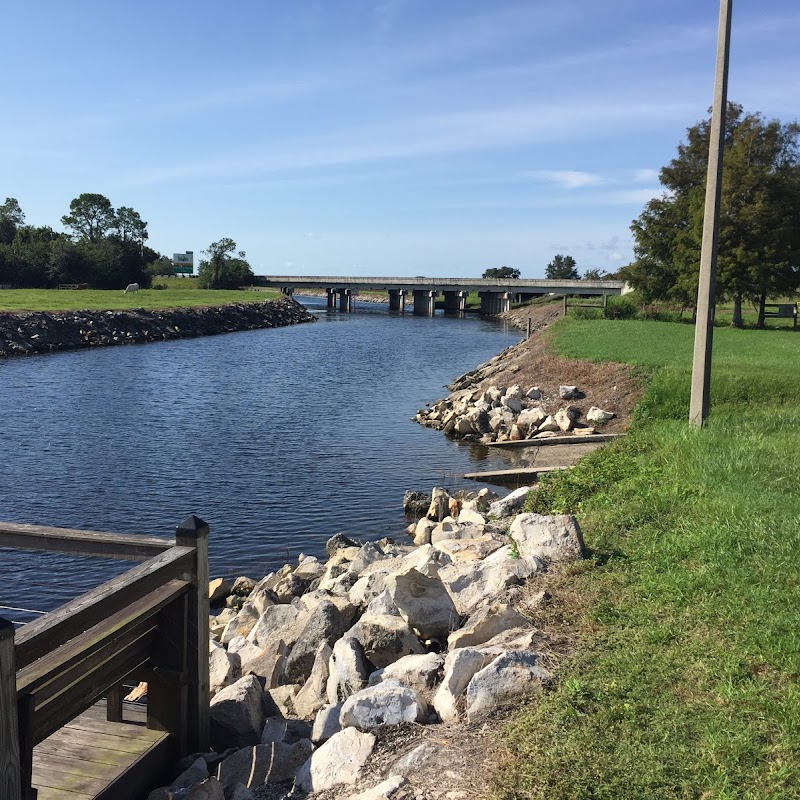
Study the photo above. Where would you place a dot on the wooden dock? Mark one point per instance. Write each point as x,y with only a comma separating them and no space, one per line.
594,438
147,624
86,759
511,475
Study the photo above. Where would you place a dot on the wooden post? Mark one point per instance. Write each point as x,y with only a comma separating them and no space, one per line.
193,532
528,334
605,306
10,778
114,700
565,305
706,290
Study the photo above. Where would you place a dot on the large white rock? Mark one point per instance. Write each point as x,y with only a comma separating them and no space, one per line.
468,516
418,672
595,414
336,762
347,670
368,587
254,766
565,417
507,505
469,549
385,638
422,531
387,703
440,504
326,723
530,418
382,604
552,538
196,773
241,624
283,698
223,668
246,650
385,790
425,559
504,680
269,664
569,392
549,425
277,622
450,529
423,602
237,714
534,393
512,403
476,583
412,762
485,624
209,789
459,668
314,693
326,623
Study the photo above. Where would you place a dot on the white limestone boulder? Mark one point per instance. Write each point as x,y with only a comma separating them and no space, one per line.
326,723
423,601
241,624
485,624
551,538
565,418
597,415
549,426
473,584
459,668
417,672
277,622
504,680
243,648
507,505
387,703
224,668
389,789
264,763
385,638
347,670
269,664
469,549
237,714
314,693
423,530
336,762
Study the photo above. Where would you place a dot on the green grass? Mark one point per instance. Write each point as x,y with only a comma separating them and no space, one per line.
180,295
685,681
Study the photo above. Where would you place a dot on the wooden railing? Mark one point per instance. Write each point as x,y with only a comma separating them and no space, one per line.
150,623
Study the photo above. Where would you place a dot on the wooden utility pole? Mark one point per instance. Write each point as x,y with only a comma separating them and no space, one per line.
704,328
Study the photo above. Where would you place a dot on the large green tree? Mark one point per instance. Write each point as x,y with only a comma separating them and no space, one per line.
11,218
222,269
130,226
91,217
562,268
759,243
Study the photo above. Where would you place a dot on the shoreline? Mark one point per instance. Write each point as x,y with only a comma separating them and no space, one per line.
39,332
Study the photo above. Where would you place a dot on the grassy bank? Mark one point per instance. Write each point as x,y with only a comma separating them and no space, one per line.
178,294
685,682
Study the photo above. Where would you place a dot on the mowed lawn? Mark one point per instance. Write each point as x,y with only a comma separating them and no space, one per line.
686,680
175,296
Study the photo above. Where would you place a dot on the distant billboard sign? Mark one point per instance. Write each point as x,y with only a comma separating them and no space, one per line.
183,263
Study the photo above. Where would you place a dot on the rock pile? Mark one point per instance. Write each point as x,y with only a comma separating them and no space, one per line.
308,663
41,332
499,414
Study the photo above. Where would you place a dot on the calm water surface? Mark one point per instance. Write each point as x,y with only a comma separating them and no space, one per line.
277,438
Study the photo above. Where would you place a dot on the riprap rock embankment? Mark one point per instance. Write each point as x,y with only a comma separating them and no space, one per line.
29,333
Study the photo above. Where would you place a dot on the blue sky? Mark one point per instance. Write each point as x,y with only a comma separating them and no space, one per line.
373,138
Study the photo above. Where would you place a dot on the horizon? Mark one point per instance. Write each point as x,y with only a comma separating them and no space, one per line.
381,138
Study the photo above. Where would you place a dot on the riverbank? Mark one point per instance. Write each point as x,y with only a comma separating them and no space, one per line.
30,333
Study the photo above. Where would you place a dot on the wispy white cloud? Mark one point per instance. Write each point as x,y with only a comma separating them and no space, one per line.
566,179
645,175
421,136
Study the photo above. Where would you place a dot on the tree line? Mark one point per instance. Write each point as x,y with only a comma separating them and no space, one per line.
103,247
759,240
559,269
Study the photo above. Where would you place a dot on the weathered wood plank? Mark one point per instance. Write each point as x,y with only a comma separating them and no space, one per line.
138,617
84,751
10,775
150,770
70,737
595,438
511,474
58,627
86,722
193,532
49,793
129,547
84,692
59,772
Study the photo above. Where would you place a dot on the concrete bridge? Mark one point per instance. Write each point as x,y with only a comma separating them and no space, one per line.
496,295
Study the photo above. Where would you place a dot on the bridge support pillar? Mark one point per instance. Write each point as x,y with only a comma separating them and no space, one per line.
347,300
287,290
424,302
397,299
494,303
331,295
455,302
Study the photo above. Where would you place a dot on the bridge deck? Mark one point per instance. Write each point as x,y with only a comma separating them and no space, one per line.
93,759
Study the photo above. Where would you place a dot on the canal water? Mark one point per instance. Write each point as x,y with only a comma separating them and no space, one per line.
277,438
